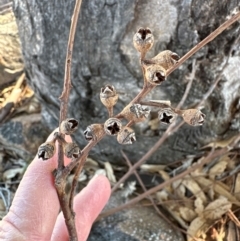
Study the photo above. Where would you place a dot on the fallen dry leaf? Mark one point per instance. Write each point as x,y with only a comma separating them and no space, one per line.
91,162
221,143
197,228
217,208
179,188
162,195
198,203
177,217
100,172
152,168
193,186
207,183
187,214
109,172
11,173
165,176
237,187
219,167
211,193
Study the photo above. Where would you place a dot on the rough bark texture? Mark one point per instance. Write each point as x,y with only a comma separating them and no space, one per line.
103,53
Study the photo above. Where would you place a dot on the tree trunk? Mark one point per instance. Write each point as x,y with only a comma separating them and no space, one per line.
104,54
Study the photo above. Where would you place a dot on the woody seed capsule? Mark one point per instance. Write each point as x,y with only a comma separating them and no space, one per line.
68,126
155,74
135,112
94,132
112,126
193,117
108,96
46,150
166,115
166,59
71,150
126,136
143,40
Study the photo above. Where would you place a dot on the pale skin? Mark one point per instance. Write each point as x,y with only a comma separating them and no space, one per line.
34,213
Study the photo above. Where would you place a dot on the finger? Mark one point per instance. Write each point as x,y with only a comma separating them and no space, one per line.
35,206
87,205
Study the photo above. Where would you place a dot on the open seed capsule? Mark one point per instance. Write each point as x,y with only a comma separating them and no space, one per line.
112,126
68,126
46,150
94,132
126,136
143,40
193,117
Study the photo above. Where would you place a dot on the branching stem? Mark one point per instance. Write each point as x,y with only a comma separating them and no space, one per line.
66,201
62,172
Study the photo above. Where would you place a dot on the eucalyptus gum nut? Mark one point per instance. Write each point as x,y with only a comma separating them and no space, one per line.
112,126
155,74
126,136
167,59
108,96
46,150
166,115
143,40
68,126
193,117
135,112
71,150
94,132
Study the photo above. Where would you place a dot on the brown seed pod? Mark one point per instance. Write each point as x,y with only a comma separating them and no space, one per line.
155,74
135,112
46,150
143,40
166,115
166,59
193,117
112,126
68,126
126,136
94,132
71,150
108,96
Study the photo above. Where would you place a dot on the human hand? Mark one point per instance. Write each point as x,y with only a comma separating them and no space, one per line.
34,213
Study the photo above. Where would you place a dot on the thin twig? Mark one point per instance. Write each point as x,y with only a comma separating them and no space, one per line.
161,186
81,162
190,81
155,104
146,89
60,174
233,218
208,39
139,180
213,154
149,197
67,77
60,184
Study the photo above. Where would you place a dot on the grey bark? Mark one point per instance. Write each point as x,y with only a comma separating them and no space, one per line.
104,54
